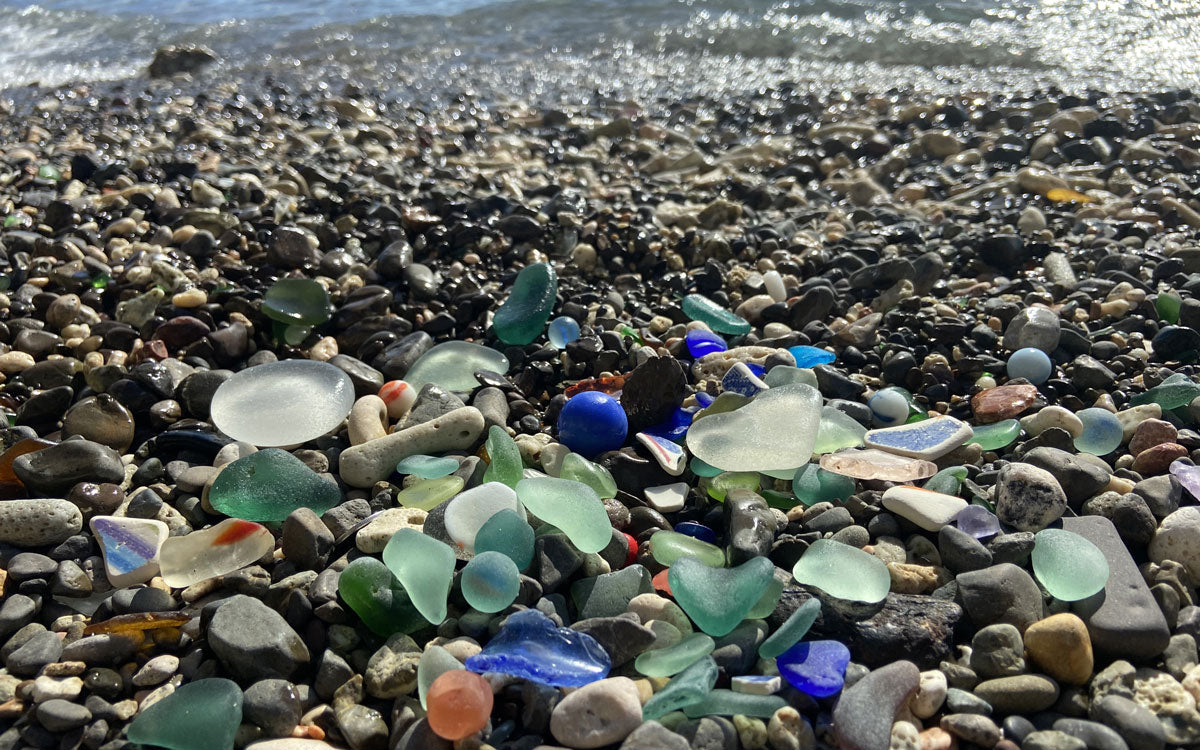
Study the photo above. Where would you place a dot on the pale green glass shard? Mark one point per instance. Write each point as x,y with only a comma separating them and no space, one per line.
575,466
768,601
812,484
843,572
1068,565
686,688
201,715
505,465
947,481
991,437
435,661
370,589
430,493
723,483
792,629
729,703
424,566
665,662
784,375
837,431
669,546
427,467
572,506
453,365
717,599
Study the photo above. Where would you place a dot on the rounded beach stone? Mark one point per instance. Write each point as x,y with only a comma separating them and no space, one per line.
597,714
364,465
253,641
1028,498
1060,645
1020,694
38,522
1150,433
1177,538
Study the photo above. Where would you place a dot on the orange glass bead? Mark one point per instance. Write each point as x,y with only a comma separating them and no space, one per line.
459,704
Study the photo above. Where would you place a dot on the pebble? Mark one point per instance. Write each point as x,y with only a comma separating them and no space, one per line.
1028,498
598,714
38,522
254,642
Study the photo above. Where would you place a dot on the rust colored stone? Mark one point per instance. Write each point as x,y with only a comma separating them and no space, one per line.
1157,459
1150,433
1003,402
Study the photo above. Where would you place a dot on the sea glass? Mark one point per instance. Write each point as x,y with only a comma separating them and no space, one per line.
843,572
808,357
769,600
890,406
228,546
687,688
578,468
717,599
815,667
522,317
725,482
792,630
283,403
837,431
1188,475
702,469
427,467
609,594
666,662
723,702
992,437
374,594
453,364
977,521
1168,306
424,566
268,485
1067,565
784,375
468,512
696,530
562,331
490,581
297,302
701,308
1030,363
668,546
876,464
1174,392
530,646
1102,433
947,481
130,547
435,661
428,494
509,534
571,506
505,465
776,430
459,704
201,715
701,342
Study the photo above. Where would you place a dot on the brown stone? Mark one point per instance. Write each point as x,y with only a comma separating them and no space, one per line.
1157,459
1060,645
1150,433
1003,402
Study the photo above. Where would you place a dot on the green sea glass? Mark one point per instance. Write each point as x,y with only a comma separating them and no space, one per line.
435,661
723,483
729,703
297,302
784,375
1174,392
701,308
505,465
453,365
665,662
1067,565
702,469
768,601
201,715
813,485
522,317
424,566
490,582
947,481
430,493
843,572
268,485
572,506
991,437
837,431
717,599
509,534
686,688
668,546
370,589
575,466
427,467
792,630
1168,306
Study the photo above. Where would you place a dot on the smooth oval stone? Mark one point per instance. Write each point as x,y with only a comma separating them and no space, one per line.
430,493
427,467
425,568
453,364
509,534
1030,363
776,430
1067,565
792,630
717,599
876,464
687,688
977,521
1101,434
562,331
468,512
578,468
926,509
297,302
843,572
592,422
700,342
201,715
665,662
815,667
530,646
668,546
890,406
837,431
808,357
283,403
435,661
130,547
374,594
268,485
991,437
570,506
522,317
490,581
701,308
505,465
230,545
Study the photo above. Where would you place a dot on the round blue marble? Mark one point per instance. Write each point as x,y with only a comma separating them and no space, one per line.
591,423
562,331
815,667
977,521
811,356
1031,364
1101,432
701,342
697,531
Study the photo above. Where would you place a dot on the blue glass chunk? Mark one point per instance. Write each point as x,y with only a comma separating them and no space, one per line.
815,667
704,399
676,426
697,531
531,647
701,342
811,356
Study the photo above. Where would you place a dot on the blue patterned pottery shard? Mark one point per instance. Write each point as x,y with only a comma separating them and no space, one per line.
669,455
530,646
742,380
928,439
130,547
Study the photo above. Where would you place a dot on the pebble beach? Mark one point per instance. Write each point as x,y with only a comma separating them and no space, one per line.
497,417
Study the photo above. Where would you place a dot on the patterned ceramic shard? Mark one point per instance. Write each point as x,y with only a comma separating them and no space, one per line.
670,456
130,547
740,379
928,439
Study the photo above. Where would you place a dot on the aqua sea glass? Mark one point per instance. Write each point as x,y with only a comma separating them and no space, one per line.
701,469
687,688
268,485
374,594
522,317
1102,433
947,481
837,431
843,572
717,599
490,581
701,308
201,715
666,662
424,566
505,465
297,302
562,331
509,534
792,629
572,506
768,601
1174,392
530,646
428,494
668,546
784,375
1067,565
722,702
992,437
808,357
435,661
453,365
427,467
575,466
812,484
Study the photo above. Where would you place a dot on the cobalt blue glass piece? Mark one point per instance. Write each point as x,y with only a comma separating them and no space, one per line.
811,356
531,647
701,342
758,370
676,426
697,531
815,667
704,399
591,423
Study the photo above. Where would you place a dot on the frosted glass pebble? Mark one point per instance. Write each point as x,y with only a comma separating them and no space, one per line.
283,403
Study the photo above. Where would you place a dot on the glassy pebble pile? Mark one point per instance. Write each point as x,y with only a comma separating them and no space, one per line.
768,424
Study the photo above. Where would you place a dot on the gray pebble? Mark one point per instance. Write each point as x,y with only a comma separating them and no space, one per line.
59,715
998,651
38,522
272,705
253,641
1052,740
974,728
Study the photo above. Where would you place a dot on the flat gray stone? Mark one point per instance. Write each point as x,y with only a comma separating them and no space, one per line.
253,641
863,716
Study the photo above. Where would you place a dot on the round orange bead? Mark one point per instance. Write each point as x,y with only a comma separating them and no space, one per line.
458,704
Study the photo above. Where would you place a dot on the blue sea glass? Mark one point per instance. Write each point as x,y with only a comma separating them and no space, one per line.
977,521
676,426
532,647
701,342
591,423
815,667
704,400
697,531
562,331
811,356
1101,434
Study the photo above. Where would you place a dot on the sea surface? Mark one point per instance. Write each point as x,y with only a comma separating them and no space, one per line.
670,46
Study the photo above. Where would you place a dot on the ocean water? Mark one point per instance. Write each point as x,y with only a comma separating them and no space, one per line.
668,45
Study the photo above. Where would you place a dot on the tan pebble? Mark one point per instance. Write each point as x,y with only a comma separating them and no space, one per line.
936,738
1060,645
1150,433
324,350
14,362
190,298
